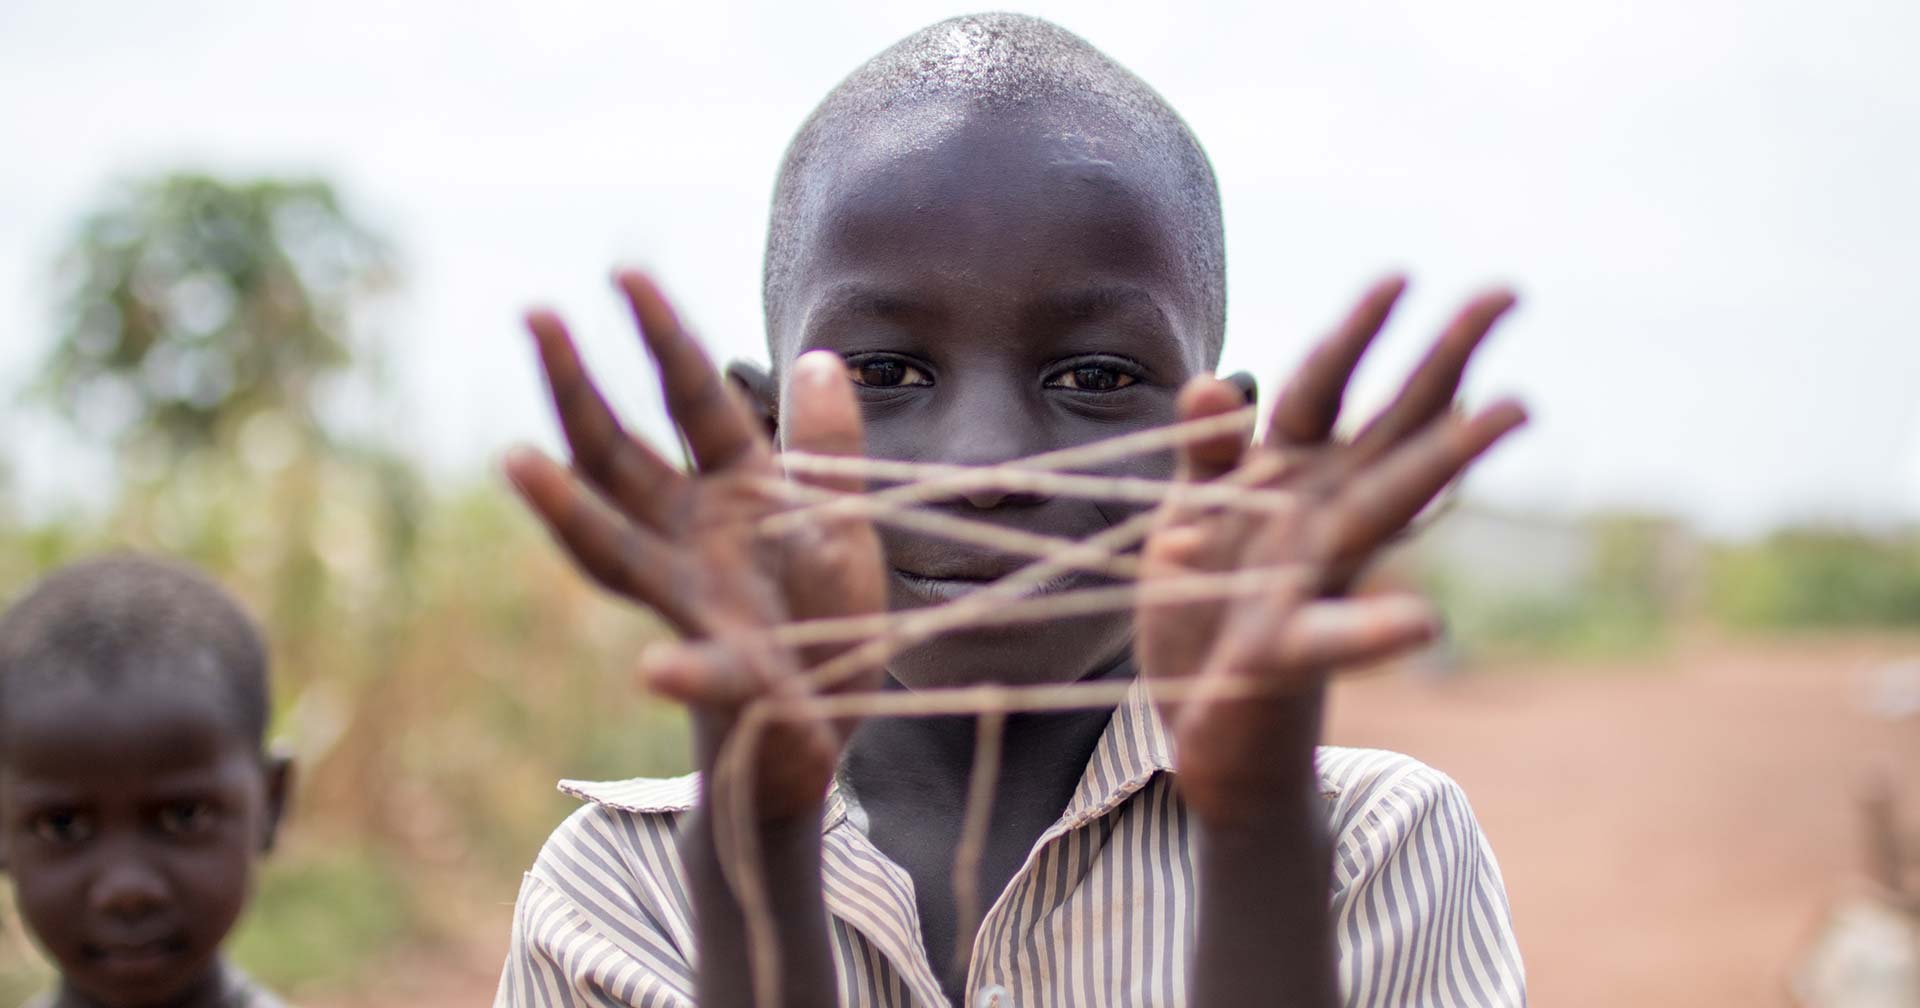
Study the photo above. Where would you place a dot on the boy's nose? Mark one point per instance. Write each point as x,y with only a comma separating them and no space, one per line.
990,428
129,888
993,440
989,498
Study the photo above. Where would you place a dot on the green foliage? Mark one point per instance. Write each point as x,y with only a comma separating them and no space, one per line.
317,919
1622,601
1583,624
1814,577
194,305
1586,623
22,974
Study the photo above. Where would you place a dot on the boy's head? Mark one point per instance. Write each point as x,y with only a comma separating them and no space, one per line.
1017,246
134,788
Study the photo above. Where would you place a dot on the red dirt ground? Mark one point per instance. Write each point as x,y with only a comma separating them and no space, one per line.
1671,830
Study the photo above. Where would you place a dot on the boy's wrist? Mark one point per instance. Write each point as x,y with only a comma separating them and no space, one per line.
775,833
1264,929
1285,804
789,849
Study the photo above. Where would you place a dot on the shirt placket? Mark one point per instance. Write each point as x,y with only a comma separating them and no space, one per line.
884,916
1130,752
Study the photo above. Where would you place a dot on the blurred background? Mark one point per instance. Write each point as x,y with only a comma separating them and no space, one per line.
261,268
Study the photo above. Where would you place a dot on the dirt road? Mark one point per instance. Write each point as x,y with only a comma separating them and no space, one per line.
1671,832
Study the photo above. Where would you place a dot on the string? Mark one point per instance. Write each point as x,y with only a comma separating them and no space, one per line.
1053,587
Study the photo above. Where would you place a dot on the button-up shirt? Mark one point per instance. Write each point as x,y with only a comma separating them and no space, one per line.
1102,913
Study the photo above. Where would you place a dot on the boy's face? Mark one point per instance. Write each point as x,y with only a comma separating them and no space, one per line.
1009,287
130,819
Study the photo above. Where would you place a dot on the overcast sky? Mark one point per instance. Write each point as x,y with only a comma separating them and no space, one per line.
1711,209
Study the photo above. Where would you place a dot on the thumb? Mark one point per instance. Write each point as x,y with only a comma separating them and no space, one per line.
822,417
1209,458
1332,634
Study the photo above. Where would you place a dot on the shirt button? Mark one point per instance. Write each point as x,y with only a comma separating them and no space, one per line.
994,996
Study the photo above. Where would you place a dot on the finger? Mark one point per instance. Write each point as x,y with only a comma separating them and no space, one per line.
1384,497
720,431
1431,389
822,416
1346,633
631,475
1211,457
1309,404
1200,537
698,676
836,566
1245,638
619,556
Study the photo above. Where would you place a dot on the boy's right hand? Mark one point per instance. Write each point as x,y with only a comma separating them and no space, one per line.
686,544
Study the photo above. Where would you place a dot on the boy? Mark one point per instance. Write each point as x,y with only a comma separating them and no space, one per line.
134,789
990,242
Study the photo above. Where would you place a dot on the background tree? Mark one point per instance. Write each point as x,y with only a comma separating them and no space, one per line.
194,305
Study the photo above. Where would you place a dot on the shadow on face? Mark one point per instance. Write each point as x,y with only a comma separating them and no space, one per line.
1009,283
131,818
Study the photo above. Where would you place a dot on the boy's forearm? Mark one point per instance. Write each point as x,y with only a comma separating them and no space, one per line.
1265,937
724,976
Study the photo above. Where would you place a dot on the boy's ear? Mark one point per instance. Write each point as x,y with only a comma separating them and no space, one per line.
279,768
1246,383
762,392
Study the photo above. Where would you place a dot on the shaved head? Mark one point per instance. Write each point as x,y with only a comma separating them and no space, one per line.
127,620
929,87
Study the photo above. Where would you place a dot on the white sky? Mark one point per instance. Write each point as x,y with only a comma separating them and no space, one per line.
1710,208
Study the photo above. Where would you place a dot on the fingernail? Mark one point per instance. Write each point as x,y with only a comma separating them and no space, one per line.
511,462
819,367
656,668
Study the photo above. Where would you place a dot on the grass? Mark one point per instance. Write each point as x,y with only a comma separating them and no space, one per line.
318,920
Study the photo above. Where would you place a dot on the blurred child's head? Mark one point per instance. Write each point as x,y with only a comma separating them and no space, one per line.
135,791
1017,246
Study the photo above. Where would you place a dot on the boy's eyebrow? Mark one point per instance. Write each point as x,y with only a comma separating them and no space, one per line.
1095,300
36,793
856,298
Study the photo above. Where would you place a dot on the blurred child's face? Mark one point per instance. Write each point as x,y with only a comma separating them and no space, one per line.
130,819
1008,287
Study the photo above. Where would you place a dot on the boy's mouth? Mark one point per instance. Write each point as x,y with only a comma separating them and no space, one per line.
135,960
930,572
945,587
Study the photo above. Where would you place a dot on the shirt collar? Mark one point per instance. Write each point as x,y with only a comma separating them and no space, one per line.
673,795
1134,747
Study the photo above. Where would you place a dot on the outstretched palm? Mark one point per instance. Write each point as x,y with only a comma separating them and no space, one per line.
689,544
1258,662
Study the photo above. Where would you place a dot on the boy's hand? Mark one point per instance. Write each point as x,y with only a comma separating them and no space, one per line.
1240,758
685,545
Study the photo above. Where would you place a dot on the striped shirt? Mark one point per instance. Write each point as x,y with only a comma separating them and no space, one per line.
1102,912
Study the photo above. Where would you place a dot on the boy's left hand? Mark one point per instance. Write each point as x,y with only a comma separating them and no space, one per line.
1348,499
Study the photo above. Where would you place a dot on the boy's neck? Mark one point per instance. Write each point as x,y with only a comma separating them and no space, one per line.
210,991
910,776
1042,757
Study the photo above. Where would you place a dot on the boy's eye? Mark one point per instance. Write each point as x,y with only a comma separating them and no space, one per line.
886,372
62,828
1091,378
186,818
